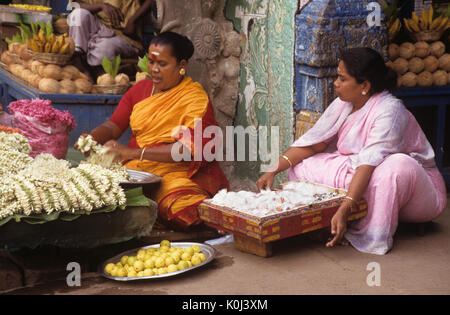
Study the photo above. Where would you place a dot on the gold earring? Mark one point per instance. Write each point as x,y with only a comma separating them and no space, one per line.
182,71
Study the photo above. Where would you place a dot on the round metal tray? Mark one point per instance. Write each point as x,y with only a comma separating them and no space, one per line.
209,251
141,177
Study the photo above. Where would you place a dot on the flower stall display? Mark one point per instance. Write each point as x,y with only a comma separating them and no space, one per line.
46,128
43,185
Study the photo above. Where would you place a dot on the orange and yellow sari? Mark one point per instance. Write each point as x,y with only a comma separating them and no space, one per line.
184,184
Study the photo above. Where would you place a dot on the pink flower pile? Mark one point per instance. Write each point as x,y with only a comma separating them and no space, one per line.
43,111
46,128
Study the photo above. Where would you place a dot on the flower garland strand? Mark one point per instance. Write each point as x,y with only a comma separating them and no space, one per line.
45,184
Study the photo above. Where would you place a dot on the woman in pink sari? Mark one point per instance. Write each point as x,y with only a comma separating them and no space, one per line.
368,143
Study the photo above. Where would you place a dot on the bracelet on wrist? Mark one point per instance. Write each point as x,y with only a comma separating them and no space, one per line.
142,154
354,203
287,159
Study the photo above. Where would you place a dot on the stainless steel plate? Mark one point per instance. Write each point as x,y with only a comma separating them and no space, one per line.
141,177
208,250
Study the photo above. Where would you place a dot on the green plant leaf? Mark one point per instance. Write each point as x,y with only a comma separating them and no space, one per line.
107,65
115,66
48,29
143,64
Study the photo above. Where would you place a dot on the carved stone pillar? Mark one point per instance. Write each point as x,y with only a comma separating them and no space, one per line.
215,63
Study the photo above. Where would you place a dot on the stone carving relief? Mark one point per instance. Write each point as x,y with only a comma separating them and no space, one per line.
216,61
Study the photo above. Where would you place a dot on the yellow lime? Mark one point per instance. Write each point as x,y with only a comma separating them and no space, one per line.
172,268
114,271
164,243
196,248
132,273
149,263
148,272
202,256
186,256
159,262
131,260
122,272
169,261
196,260
189,250
124,260
162,270
176,259
141,254
182,265
147,256
138,265
140,273
164,249
189,264
109,267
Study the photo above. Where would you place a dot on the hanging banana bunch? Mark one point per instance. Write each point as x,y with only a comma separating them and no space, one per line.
425,21
393,24
394,27
43,40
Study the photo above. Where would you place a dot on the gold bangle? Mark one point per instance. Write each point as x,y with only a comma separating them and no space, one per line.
287,159
142,154
352,200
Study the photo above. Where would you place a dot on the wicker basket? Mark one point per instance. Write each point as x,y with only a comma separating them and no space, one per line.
427,36
57,59
111,89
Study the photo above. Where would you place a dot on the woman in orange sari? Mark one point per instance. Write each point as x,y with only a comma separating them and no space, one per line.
157,111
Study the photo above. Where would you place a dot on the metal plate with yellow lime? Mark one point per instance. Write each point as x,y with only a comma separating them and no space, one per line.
208,251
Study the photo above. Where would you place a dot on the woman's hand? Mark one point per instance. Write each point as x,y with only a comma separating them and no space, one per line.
339,224
130,29
122,152
114,14
266,181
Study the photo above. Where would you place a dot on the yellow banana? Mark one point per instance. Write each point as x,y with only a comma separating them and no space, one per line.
64,49
436,22
443,25
47,47
40,47
52,39
398,25
414,26
415,18
430,16
423,20
41,35
34,46
395,27
55,47
408,28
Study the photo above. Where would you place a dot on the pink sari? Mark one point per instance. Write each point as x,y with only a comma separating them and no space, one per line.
405,185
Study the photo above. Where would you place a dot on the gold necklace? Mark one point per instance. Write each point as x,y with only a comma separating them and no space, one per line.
153,90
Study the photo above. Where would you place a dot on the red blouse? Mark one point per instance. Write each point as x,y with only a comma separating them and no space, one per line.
121,116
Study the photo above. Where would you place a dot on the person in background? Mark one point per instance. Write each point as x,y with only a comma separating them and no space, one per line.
369,144
154,109
106,28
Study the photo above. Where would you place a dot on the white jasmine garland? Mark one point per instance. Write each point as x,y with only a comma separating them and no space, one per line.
46,184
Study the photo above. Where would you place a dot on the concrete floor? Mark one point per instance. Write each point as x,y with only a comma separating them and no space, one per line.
416,265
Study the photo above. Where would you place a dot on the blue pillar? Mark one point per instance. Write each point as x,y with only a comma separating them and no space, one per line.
59,6
323,28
